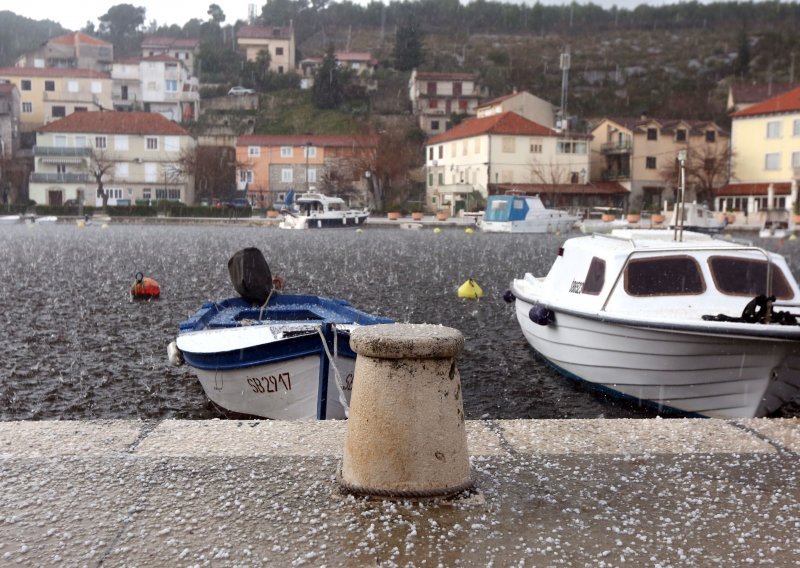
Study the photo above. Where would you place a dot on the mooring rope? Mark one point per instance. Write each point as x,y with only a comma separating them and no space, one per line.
331,358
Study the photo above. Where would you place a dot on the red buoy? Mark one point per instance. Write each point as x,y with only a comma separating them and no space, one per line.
144,288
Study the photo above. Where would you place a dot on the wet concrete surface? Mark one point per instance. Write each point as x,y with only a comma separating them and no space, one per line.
262,493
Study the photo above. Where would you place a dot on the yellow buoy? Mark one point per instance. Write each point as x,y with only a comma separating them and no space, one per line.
470,289
468,231
793,237
437,230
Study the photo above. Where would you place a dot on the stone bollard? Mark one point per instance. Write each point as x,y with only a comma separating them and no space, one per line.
405,434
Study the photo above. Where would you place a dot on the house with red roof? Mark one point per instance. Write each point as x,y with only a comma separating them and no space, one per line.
524,104
507,153
435,97
158,83
184,50
75,50
278,41
51,93
765,144
271,165
138,153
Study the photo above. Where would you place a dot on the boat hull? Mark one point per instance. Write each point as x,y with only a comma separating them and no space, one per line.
323,222
715,375
537,226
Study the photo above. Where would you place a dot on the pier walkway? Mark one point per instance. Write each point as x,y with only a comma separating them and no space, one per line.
264,493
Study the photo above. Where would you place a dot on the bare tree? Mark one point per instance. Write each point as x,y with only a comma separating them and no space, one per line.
707,166
213,169
389,165
101,165
549,173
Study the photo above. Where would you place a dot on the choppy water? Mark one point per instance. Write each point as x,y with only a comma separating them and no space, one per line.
74,347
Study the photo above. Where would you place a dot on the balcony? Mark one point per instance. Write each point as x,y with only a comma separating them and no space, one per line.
61,178
61,152
615,176
617,147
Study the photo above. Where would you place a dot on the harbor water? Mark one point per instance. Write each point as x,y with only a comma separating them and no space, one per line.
75,347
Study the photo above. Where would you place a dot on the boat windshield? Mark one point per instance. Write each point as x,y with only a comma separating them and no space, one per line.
747,277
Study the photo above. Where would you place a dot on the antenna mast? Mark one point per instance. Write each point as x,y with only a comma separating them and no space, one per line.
564,64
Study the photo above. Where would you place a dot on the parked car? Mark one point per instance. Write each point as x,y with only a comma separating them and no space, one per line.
238,203
239,91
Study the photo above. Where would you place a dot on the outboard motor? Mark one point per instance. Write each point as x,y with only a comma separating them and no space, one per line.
250,275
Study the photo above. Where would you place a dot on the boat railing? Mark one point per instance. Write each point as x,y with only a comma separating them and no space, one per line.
633,253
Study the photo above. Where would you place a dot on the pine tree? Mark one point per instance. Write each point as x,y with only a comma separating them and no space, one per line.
328,91
408,52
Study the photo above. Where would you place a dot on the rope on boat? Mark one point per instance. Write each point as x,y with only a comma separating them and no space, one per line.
332,359
265,304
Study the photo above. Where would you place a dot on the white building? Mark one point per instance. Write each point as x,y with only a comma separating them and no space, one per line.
159,84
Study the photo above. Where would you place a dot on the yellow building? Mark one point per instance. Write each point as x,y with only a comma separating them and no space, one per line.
765,141
277,40
48,94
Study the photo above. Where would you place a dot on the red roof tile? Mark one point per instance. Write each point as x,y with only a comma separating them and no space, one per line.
749,94
786,102
264,32
753,189
503,123
54,72
78,37
592,188
320,140
115,123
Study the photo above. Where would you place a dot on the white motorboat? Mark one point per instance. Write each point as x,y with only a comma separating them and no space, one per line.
10,219
697,217
776,224
523,214
317,211
269,354
602,220
692,326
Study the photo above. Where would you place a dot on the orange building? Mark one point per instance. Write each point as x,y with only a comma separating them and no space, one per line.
271,165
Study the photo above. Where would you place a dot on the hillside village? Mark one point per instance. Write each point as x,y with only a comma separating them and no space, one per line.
85,121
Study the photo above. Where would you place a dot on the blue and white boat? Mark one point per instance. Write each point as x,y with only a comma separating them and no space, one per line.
523,214
287,358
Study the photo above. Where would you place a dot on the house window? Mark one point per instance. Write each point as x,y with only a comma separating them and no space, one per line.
27,107
287,175
286,151
711,136
309,151
441,151
430,180
433,103
509,144
80,141
121,170
146,193
430,153
434,125
457,88
477,145
680,135
772,161
81,109
796,159
60,141
25,85
462,105
432,88
246,176
72,86
97,87
121,143
796,128
280,69
650,162
254,151
150,173
774,129
59,112
171,86
100,142
50,86
536,147
151,142
571,147
312,175
441,178
652,134
278,51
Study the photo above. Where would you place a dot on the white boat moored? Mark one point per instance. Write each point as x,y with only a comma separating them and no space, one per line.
523,214
704,326
317,211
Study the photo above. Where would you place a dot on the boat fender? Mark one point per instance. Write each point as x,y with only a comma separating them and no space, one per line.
174,354
541,315
508,296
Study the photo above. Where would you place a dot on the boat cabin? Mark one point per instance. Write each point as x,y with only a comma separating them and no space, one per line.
503,208
315,203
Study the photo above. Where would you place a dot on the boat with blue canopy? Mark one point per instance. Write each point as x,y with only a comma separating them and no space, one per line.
523,214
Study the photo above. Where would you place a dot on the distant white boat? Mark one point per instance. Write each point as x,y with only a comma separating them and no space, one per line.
523,214
317,211
602,220
699,218
10,219
776,224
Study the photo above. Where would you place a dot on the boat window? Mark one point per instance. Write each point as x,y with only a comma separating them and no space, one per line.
747,277
334,207
596,277
519,204
664,276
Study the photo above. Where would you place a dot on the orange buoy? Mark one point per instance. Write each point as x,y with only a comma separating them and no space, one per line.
144,288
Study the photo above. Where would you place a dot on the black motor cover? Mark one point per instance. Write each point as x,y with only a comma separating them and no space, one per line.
250,275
